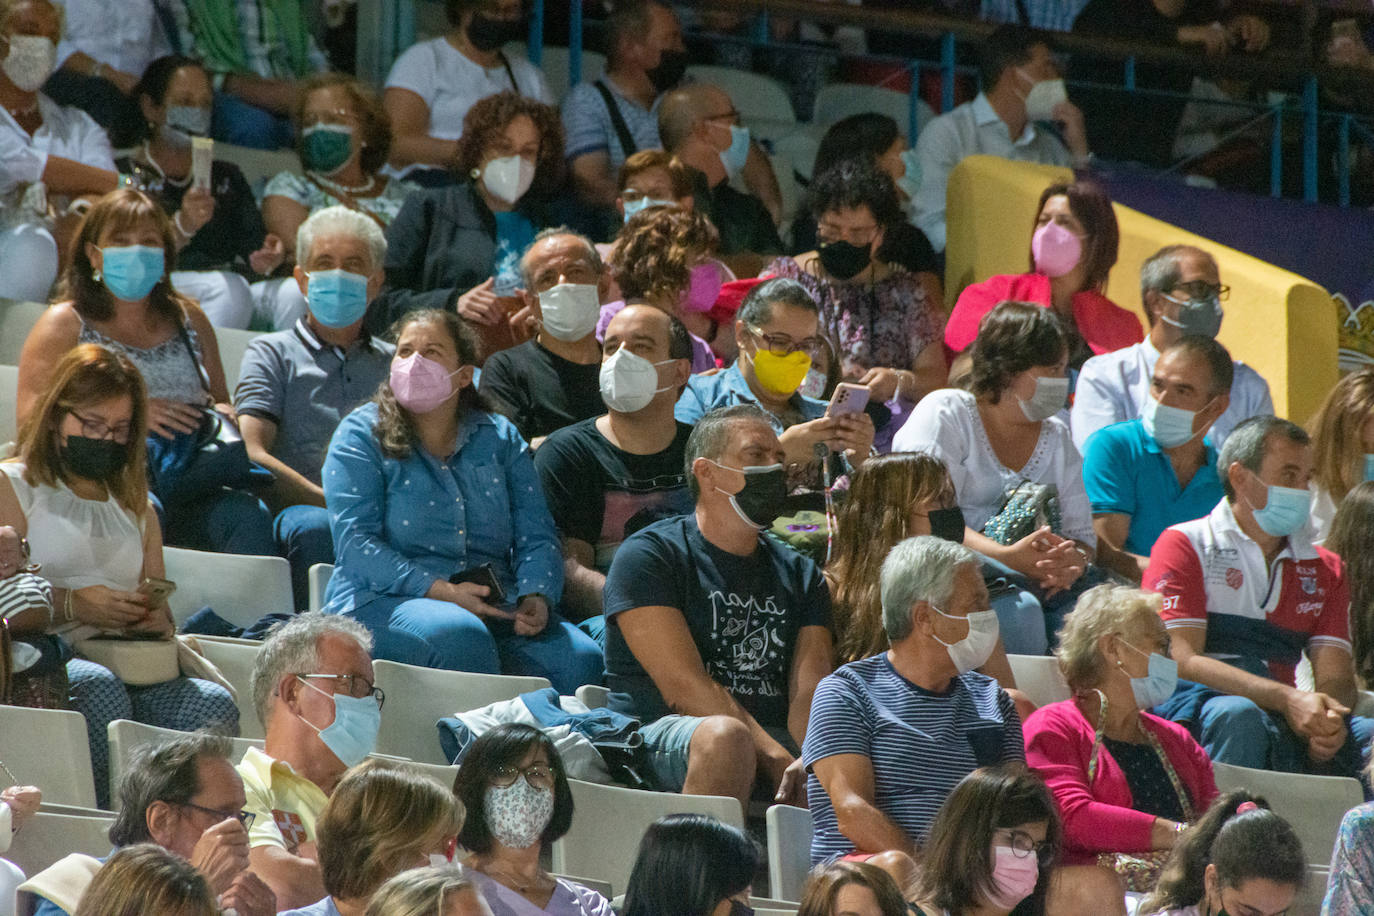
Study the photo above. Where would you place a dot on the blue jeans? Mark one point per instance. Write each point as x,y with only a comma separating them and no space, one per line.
1020,618
1236,731
238,122
302,536
667,741
231,521
439,634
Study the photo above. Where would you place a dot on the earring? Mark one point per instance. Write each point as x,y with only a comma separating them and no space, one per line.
95,274
475,174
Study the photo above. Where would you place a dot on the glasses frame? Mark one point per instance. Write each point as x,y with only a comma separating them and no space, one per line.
1042,850
811,346
372,689
1222,291
245,818
518,772
96,428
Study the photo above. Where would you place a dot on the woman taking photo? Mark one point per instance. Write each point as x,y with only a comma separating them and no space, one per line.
691,865
887,327
1342,446
1073,248
1125,781
117,293
79,492
445,548
515,792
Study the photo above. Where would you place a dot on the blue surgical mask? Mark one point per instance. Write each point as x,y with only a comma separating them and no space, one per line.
910,183
1159,682
131,272
1285,511
1169,426
337,298
634,206
353,733
1368,466
734,157
1197,316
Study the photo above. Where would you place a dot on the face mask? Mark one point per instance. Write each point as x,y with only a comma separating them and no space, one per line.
762,497
569,310
733,156
326,148
1013,877
1169,426
419,384
974,649
353,733
1159,682
629,381
704,288
508,178
1197,316
813,386
1056,250
518,814
30,61
337,298
1043,98
1050,396
844,259
782,375
94,459
1286,510
1368,466
672,66
910,182
184,122
487,33
947,524
634,206
131,272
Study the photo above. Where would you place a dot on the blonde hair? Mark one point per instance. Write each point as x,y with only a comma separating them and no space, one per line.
1337,449
145,878
418,892
1105,610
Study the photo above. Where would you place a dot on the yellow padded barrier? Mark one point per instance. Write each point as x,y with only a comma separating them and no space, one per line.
1289,330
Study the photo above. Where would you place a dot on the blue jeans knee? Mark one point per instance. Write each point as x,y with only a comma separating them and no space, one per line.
302,536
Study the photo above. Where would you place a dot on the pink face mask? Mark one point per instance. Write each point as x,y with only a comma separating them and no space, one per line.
421,384
704,288
1056,250
1013,877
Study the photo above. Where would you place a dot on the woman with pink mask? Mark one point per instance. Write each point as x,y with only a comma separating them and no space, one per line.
1072,250
445,548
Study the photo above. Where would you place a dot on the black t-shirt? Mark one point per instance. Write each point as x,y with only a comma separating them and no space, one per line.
744,614
595,490
741,219
540,391
233,233
1151,790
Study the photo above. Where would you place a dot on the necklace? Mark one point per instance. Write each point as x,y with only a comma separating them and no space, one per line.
519,883
174,182
343,188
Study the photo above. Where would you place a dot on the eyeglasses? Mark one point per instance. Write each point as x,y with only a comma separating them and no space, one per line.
855,235
1199,290
537,775
245,818
352,685
1023,844
784,345
332,116
96,428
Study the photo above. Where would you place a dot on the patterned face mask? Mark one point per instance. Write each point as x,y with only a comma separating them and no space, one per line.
518,814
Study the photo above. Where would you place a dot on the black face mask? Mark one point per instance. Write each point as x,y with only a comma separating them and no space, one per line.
740,908
763,496
843,259
94,459
672,66
488,33
947,524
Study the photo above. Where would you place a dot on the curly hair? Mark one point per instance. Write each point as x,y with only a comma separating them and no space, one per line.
373,122
485,120
657,249
1103,610
1013,337
394,429
851,184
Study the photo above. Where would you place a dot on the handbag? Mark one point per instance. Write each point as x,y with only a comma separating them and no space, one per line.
1025,507
33,670
136,662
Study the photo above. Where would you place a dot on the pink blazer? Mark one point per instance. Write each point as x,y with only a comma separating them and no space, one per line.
1059,740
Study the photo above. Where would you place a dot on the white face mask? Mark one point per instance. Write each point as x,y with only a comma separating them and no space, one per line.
1051,396
517,814
569,310
975,648
508,178
30,61
629,381
1043,98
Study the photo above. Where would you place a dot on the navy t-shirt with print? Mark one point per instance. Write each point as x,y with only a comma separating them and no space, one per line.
744,614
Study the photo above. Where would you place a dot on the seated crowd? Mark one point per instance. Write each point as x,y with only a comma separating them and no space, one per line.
552,396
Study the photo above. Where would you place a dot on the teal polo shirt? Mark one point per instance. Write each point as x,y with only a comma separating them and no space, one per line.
1126,472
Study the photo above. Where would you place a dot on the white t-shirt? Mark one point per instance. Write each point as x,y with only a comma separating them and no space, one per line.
450,83
946,424
66,132
129,41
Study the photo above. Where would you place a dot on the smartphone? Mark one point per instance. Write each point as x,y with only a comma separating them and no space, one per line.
482,575
156,590
847,399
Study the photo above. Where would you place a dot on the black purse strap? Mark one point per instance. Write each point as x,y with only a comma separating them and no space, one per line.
622,130
195,360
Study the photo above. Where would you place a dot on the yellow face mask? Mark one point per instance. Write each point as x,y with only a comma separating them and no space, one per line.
781,375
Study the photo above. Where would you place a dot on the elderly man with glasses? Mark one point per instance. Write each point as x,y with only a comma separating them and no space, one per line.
313,690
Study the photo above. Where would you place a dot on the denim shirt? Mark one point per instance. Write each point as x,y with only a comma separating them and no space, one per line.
727,388
400,524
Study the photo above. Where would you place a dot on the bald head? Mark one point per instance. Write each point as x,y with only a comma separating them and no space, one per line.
559,253
683,109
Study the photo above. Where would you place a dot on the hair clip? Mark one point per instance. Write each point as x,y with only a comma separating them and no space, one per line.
1246,806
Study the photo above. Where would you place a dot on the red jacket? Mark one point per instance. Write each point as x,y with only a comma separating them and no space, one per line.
1101,819
1105,326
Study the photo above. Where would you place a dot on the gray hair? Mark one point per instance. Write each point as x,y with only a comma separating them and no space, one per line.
1160,271
293,646
1248,442
919,569
166,772
1105,610
711,435
757,308
593,256
339,220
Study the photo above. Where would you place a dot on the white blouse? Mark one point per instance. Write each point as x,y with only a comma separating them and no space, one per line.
946,424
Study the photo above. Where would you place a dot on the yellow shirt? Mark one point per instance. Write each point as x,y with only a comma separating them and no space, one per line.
285,803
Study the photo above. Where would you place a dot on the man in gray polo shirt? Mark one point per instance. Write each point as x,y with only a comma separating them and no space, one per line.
296,385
